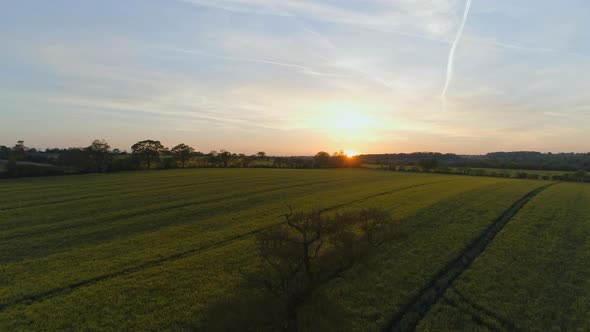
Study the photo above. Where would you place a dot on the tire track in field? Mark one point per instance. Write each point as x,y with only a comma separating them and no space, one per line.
413,311
476,318
29,299
503,322
161,209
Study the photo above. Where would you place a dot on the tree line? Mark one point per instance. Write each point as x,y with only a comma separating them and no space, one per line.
523,160
100,157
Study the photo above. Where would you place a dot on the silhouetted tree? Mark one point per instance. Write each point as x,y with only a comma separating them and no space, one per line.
225,157
339,159
182,153
148,151
99,152
19,151
322,159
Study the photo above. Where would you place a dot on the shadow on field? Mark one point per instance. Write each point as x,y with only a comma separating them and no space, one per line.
296,258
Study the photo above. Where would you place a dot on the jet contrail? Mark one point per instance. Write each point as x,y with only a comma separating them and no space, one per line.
453,48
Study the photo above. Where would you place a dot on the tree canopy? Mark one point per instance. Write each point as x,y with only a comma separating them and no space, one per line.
183,153
99,152
148,151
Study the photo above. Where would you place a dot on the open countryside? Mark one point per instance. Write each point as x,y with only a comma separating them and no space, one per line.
294,166
84,252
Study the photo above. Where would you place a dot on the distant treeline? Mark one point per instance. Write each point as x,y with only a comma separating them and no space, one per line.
98,157
524,160
578,176
499,164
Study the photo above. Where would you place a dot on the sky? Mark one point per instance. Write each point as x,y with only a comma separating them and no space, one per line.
293,77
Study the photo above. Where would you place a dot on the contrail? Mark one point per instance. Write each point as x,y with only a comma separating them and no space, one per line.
454,47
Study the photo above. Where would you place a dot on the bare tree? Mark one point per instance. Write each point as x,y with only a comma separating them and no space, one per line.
307,250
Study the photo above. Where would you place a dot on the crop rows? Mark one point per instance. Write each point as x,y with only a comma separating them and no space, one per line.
434,237
74,266
534,275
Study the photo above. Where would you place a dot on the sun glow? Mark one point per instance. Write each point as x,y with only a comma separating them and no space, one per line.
351,121
350,153
349,125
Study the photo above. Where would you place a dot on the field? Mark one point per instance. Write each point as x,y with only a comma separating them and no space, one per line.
152,250
534,276
511,172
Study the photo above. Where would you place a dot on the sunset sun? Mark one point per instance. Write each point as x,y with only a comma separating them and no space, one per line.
350,153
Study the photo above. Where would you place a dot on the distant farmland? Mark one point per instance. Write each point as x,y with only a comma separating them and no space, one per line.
153,250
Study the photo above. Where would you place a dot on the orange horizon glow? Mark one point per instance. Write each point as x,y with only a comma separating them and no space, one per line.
350,153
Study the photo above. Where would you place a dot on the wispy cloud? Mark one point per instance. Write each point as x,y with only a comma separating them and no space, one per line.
300,68
419,19
286,70
454,48
522,47
335,62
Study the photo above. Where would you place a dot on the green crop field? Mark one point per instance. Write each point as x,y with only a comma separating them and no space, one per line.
534,276
153,250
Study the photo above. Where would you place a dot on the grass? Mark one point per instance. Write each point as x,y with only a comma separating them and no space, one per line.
151,250
534,275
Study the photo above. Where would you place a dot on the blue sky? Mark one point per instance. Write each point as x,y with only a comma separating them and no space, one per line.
297,76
